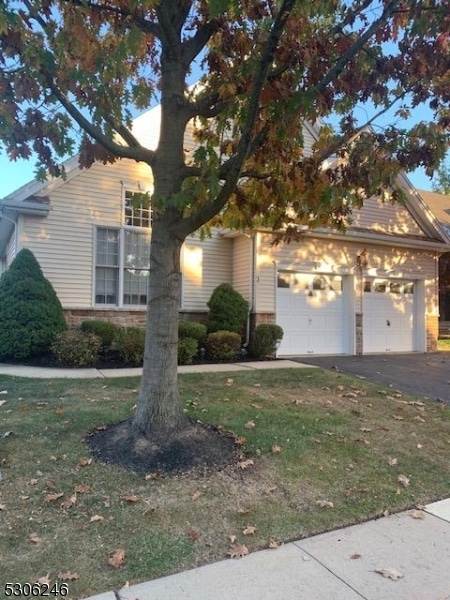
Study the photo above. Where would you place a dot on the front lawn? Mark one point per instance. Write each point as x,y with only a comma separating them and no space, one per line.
321,450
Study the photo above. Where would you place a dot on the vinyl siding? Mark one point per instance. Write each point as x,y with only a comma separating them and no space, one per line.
386,218
205,264
314,254
11,250
242,266
63,241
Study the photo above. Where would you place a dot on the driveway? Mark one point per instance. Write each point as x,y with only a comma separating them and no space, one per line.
422,375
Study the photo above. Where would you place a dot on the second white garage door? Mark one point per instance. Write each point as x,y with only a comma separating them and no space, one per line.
388,321
310,309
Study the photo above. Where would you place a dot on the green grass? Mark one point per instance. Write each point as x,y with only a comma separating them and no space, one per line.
336,436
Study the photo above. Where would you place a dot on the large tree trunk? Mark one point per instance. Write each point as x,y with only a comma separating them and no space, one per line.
159,412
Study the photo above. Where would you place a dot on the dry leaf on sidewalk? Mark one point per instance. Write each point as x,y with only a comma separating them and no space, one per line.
390,573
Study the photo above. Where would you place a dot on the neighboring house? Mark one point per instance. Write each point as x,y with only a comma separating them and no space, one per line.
439,204
374,289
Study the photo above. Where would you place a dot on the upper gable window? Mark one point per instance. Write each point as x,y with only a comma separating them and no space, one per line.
137,211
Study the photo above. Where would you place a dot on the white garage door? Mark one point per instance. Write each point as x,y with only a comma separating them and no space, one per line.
310,310
388,316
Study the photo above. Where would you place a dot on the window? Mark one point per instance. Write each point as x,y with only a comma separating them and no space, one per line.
107,266
395,287
137,212
122,267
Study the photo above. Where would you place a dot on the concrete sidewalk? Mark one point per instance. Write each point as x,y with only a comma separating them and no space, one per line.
339,565
48,373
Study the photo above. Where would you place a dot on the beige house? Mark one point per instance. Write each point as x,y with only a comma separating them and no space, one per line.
374,289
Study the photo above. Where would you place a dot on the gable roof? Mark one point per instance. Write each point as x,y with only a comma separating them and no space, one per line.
439,204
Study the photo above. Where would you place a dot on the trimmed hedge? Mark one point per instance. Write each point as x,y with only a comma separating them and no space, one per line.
30,313
222,345
191,329
130,343
73,348
228,310
105,330
265,340
187,349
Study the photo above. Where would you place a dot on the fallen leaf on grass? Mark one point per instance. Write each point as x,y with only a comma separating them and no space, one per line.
240,440
2,402
398,418
250,425
324,504
229,382
403,480
276,449
51,485
33,537
244,511
117,559
237,551
389,573
417,514
96,519
131,498
196,495
44,580
232,538
3,392
2,506
392,461
69,502
256,405
419,419
68,576
53,497
249,530
193,535
155,475
84,462
82,489
245,464
273,545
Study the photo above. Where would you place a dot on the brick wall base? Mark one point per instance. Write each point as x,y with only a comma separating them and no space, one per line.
121,317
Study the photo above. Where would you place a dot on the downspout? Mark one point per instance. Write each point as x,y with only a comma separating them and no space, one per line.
252,288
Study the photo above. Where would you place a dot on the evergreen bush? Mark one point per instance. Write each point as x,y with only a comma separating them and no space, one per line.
191,329
265,340
228,310
187,349
105,330
130,343
30,313
74,348
223,345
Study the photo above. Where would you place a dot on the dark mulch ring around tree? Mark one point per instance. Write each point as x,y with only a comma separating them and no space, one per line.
199,446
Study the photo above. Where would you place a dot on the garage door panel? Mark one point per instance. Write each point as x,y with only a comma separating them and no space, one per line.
310,310
388,316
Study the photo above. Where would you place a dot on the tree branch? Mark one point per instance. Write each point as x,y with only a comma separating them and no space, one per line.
194,45
193,222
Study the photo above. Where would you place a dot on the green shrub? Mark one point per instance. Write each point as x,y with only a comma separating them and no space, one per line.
105,330
130,343
74,348
228,310
222,345
187,349
265,340
30,313
190,329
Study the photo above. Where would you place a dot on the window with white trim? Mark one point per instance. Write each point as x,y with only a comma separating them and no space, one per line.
122,255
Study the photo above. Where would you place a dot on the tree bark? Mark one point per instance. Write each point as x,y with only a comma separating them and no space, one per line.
159,412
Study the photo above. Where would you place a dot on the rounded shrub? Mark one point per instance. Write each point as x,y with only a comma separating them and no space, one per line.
228,310
74,348
222,345
191,329
105,330
187,349
31,314
266,338
130,344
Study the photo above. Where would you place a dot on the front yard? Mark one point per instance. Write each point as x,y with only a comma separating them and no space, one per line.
319,450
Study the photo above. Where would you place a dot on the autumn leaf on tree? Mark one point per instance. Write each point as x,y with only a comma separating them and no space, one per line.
117,559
